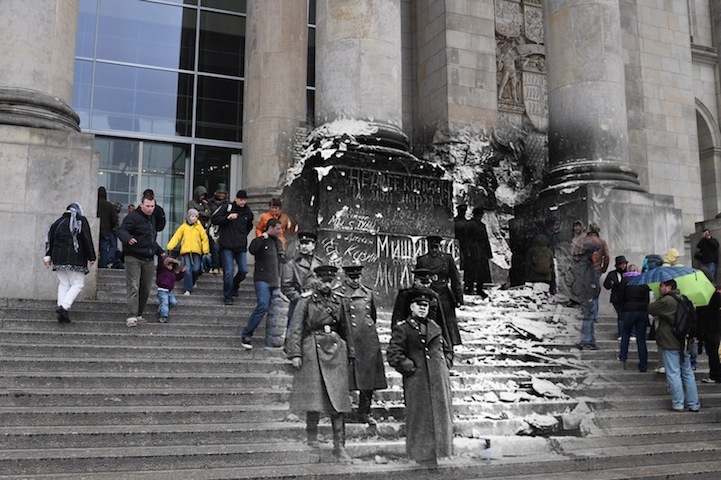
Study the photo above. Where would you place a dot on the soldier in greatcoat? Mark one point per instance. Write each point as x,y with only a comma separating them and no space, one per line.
445,281
419,353
319,344
402,306
368,373
297,275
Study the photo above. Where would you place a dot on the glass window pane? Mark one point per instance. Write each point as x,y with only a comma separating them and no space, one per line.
220,109
142,100
239,6
147,33
118,170
211,167
81,91
85,43
222,44
164,172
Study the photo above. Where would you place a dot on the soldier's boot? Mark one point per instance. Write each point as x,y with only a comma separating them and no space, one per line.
339,451
364,408
311,428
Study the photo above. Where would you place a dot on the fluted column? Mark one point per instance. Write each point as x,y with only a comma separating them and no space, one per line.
358,69
37,45
275,91
588,130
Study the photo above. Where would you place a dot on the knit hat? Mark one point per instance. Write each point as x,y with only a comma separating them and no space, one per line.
191,211
241,194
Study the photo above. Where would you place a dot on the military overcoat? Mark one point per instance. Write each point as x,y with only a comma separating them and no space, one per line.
368,372
319,333
423,360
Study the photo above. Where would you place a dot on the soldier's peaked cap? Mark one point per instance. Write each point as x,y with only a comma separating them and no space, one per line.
352,268
434,239
420,297
307,237
326,271
422,272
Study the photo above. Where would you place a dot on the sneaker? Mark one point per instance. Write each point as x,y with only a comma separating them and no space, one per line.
131,322
660,370
140,319
618,339
229,301
633,339
674,409
187,292
709,380
163,319
694,410
246,344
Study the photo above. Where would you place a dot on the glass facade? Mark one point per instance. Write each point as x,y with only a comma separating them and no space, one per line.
160,84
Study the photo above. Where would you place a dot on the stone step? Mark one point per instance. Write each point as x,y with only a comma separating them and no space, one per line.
142,415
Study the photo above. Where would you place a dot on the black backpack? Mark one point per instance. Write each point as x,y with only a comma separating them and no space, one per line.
685,326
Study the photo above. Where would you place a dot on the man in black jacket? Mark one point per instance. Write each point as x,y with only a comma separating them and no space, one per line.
708,252
269,255
138,233
235,221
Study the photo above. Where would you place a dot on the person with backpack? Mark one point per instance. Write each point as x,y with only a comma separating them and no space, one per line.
613,283
539,262
673,311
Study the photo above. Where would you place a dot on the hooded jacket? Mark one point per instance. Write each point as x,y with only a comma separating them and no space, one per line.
664,309
107,214
202,207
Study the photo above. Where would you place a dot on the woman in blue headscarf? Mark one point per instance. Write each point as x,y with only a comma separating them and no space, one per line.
69,248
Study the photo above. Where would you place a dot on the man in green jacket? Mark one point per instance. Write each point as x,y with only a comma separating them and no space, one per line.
676,358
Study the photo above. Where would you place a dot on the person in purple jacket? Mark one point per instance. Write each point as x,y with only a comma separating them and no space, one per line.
169,271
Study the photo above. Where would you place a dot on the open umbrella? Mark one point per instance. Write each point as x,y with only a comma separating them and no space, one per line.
691,282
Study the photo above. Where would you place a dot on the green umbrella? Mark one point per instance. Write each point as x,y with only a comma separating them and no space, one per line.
690,282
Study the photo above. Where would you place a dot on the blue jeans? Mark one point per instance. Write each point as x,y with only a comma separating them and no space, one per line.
634,323
268,302
231,283
193,263
108,248
680,377
588,335
166,301
712,266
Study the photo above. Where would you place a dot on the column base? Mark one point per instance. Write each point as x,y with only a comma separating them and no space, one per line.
29,108
578,173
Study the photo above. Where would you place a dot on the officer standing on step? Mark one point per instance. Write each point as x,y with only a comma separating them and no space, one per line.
320,345
367,372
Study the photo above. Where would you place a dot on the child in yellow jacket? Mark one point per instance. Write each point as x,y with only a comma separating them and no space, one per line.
193,245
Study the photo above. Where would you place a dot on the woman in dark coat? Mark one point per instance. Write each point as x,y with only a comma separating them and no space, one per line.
68,248
418,352
319,343
368,373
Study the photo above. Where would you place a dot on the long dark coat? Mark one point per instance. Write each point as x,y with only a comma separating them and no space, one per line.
426,388
444,271
368,372
321,385
476,255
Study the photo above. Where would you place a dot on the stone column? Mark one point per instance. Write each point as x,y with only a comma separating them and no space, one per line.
37,46
588,130
46,163
275,94
358,64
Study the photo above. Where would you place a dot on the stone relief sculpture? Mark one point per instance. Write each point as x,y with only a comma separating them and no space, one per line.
520,58
507,68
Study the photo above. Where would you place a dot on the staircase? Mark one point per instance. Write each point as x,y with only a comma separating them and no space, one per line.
97,400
